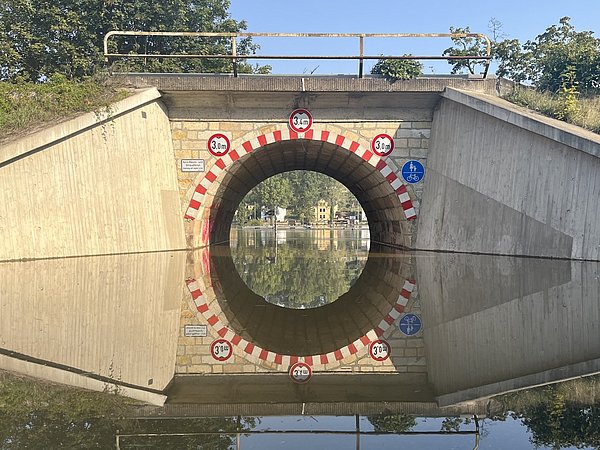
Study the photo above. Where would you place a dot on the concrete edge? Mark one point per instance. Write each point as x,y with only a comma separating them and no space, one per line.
48,136
556,130
302,83
547,377
56,375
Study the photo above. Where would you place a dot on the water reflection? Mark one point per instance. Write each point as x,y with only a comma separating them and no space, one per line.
307,332
492,328
299,269
91,321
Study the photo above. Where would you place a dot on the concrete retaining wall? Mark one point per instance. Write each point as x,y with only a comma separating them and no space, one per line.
503,180
97,184
494,324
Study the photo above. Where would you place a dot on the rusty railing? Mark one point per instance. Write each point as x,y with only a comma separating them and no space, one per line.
360,57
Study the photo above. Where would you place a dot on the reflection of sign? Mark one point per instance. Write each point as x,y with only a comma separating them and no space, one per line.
410,324
413,171
300,120
195,331
380,350
218,144
192,165
300,372
221,349
382,144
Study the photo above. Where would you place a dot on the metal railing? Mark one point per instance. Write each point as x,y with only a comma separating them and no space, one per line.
356,432
360,57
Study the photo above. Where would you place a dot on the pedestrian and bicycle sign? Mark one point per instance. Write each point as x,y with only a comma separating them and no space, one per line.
413,171
410,324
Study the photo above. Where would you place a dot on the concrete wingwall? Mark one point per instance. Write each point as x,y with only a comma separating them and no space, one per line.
115,316
101,183
503,180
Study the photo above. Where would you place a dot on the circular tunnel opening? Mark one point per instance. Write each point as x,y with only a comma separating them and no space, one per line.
300,240
372,294
375,194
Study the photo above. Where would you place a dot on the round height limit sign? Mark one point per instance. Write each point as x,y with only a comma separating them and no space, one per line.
218,144
382,144
300,120
380,350
300,372
221,349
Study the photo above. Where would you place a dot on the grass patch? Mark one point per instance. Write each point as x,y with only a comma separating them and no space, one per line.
20,396
584,111
38,414
25,105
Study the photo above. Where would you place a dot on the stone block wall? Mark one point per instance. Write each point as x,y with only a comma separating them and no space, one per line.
190,141
194,356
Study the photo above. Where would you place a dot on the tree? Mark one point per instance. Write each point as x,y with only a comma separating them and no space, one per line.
465,46
299,190
275,192
333,192
551,58
40,38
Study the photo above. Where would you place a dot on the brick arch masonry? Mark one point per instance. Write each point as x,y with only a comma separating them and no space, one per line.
282,361
385,167
382,177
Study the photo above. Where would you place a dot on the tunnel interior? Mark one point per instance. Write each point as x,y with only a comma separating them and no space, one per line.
312,331
376,196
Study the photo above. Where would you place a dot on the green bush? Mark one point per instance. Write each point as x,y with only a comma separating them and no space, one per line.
398,69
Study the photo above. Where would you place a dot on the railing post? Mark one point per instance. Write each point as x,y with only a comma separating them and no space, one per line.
234,54
361,49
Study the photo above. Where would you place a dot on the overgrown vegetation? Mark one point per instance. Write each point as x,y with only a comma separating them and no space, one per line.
25,104
583,111
557,73
34,414
39,39
39,415
559,415
398,69
50,52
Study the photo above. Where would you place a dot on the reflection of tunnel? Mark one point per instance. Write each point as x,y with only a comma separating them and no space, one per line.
376,194
310,331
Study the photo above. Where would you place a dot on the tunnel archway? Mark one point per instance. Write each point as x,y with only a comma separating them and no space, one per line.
358,317
372,179
321,336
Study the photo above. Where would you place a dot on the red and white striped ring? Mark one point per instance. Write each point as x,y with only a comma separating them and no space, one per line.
383,166
284,361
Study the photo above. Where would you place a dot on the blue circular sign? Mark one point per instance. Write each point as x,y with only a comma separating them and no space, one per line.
410,324
413,171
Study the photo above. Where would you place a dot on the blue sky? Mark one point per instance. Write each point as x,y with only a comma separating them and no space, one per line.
521,19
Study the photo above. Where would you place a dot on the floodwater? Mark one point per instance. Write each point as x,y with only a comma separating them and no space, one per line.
474,350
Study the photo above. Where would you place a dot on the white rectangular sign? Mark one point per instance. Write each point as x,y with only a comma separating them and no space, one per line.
195,331
192,165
